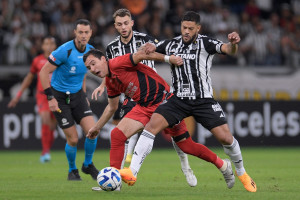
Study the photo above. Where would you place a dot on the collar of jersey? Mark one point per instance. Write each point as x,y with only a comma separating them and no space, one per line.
78,49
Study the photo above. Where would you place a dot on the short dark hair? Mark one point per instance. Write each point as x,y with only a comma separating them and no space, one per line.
122,12
82,21
191,16
95,52
49,37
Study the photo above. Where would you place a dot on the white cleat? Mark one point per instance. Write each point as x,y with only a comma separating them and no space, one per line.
228,174
190,177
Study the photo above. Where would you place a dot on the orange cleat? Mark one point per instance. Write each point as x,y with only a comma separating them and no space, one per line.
127,176
248,183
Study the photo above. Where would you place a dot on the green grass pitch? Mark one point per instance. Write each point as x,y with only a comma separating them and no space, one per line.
276,172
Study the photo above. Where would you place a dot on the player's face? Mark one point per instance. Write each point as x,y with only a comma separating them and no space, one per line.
189,31
97,66
124,26
83,34
48,45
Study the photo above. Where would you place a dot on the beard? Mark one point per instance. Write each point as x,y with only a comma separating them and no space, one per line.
126,36
191,40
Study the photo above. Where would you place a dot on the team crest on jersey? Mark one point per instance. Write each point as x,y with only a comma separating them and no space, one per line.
138,44
52,58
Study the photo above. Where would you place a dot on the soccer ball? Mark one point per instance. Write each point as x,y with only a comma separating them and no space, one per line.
109,179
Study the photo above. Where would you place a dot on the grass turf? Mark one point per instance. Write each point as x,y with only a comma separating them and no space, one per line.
275,171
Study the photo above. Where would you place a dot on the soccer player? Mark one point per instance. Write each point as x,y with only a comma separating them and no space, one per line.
193,95
125,74
128,42
48,120
67,99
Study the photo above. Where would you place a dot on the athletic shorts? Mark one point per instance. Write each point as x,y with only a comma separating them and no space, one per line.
143,115
73,112
124,108
207,112
42,102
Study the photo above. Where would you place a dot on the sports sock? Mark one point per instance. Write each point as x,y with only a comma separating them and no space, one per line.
190,147
142,148
125,154
71,156
182,156
89,148
47,139
132,141
235,154
117,148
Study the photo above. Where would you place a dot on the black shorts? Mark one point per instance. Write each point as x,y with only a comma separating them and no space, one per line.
207,112
73,112
124,108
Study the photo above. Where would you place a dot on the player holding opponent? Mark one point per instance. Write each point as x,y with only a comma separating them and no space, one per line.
124,74
128,42
67,98
193,95
48,120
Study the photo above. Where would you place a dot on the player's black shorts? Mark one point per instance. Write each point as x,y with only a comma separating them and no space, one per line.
207,112
77,109
124,108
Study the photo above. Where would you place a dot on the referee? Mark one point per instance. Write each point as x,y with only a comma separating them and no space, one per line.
130,41
193,93
67,99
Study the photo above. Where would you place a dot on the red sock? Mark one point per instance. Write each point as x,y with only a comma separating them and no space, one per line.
190,147
117,147
47,138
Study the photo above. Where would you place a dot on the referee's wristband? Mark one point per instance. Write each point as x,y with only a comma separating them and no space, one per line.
48,92
167,59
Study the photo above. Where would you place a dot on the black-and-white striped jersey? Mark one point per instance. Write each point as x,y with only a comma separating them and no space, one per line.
192,79
118,48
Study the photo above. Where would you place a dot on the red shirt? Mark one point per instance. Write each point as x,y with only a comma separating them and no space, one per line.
137,81
36,66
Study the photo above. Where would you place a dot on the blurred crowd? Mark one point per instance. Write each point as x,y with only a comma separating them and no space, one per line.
270,29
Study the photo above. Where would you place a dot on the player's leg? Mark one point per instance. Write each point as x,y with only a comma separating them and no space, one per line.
232,149
131,144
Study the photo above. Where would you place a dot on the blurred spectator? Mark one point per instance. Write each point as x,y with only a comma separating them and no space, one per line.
37,28
65,28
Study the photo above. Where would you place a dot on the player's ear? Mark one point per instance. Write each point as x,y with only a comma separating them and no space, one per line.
199,28
132,22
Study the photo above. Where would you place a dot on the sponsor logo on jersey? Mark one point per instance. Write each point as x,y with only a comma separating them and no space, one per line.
187,56
73,70
52,58
80,57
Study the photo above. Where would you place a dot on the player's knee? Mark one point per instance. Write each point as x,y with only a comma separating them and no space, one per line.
156,124
73,141
186,145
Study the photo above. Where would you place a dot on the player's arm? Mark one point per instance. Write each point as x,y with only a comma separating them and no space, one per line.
25,84
47,69
231,47
144,54
108,112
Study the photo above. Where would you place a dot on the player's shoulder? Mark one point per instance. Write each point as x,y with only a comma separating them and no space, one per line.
113,42
139,34
89,46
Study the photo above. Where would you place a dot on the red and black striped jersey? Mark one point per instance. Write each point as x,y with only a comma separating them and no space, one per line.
136,81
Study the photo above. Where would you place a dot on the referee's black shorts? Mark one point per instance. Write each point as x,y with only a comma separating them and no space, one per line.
73,112
207,112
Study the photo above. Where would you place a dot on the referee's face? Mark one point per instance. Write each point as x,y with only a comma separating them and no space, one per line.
83,34
189,31
124,26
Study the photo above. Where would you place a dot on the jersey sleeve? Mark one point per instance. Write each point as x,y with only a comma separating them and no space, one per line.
212,46
58,56
108,52
111,92
161,46
119,63
33,67
151,39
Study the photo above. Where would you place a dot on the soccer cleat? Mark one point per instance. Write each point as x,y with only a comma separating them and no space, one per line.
90,169
128,158
127,176
248,183
190,177
45,158
228,174
74,175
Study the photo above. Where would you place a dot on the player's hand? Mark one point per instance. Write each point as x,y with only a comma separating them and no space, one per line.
99,90
13,102
53,105
234,38
149,48
93,132
176,60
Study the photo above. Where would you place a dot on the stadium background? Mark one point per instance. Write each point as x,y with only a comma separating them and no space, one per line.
259,89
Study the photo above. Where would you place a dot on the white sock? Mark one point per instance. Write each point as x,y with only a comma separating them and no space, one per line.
142,148
125,154
184,161
132,141
235,154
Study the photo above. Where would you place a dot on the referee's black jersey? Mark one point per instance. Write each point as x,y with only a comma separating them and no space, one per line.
118,48
192,79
